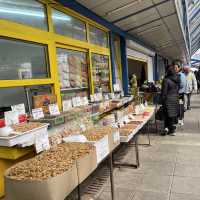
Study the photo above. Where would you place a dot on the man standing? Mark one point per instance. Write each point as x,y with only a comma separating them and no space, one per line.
191,85
182,85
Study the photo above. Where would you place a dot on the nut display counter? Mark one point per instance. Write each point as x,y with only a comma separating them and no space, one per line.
71,151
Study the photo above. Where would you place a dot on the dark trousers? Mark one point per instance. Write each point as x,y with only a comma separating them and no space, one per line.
188,96
181,106
170,123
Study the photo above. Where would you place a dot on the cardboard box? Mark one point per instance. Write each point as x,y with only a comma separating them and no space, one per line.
113,140
102,148
56,188
86,165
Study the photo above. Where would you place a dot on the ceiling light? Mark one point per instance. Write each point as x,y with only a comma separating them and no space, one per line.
123,7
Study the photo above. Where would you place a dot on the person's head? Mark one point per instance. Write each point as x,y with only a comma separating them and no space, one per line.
186,69
177,68
170,70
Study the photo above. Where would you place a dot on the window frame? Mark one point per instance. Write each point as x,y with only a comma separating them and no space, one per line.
27,33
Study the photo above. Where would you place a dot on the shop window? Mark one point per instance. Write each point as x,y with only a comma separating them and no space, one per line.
101,73
22,60
73,71
18,95
98,37
68,26
29,12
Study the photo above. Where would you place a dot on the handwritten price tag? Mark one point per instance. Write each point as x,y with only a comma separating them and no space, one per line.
20,108
54,110
67,105
37,113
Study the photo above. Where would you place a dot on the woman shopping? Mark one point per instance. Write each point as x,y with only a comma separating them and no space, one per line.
170,96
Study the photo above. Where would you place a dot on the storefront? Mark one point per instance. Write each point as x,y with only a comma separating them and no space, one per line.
140,62
48,48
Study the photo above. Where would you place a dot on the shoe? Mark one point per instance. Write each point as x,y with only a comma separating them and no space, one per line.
172,133
180,122
166,131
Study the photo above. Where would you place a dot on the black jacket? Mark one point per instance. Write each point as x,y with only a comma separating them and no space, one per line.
169,94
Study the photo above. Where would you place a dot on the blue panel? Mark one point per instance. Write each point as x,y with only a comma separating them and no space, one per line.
90,14
112,57
124,65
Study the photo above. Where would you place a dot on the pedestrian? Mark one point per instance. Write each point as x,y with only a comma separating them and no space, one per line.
182,84
191,85
169,95
198,80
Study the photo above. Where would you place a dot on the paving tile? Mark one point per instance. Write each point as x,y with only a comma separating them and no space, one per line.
125,180
155,183
186,159
154,168
186,185
120,194
175,196
146,195
187,170
158,156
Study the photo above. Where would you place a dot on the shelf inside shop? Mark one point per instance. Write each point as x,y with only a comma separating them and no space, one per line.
73,89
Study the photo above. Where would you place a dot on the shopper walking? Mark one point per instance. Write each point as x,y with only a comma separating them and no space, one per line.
169,94
182,84
198,80
191,85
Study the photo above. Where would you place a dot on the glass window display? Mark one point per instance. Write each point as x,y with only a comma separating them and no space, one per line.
29,12
22,60
101,73
98,37
72,69
68,26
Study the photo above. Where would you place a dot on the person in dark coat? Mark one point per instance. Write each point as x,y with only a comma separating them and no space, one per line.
170,96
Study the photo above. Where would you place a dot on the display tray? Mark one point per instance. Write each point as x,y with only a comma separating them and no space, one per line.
126,139
51,120
18,138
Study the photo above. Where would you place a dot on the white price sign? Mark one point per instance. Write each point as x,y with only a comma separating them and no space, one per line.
42,142
54,110
67,105
11,117
85,100
92,98
20,108
37,113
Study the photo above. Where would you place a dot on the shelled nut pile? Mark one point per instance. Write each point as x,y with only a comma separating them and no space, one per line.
24,127
125,132
48,164
97,133
51,163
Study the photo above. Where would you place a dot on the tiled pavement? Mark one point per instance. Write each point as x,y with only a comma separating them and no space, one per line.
170,168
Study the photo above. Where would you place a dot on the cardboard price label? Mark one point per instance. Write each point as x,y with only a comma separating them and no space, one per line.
20,108
11,117
42,142
54,110
67,105
37,113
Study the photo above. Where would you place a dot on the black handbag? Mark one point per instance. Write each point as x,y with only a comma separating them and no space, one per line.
160,114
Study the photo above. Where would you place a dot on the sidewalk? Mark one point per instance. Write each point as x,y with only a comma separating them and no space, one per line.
170,168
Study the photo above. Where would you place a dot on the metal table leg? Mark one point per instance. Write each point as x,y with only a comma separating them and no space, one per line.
79,192
124,164
112,177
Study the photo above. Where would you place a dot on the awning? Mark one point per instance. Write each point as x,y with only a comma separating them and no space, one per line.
156,22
